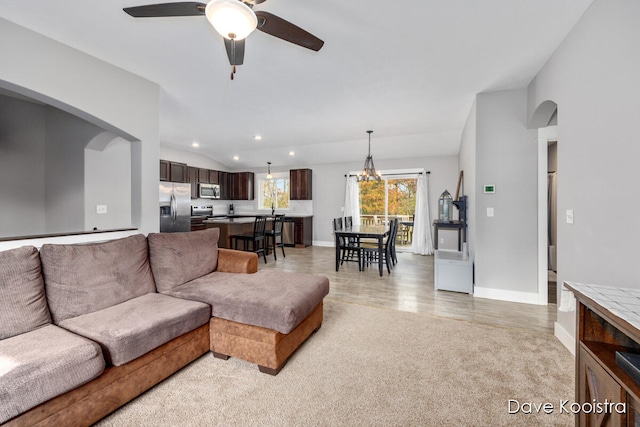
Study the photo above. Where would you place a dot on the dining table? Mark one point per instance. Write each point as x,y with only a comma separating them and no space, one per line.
375,232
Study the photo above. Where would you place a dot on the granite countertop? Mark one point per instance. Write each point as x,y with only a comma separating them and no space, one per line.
622,302
241,220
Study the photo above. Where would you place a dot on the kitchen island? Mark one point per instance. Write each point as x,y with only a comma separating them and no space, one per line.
243,224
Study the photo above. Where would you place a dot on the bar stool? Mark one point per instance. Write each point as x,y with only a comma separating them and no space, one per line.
274,233
256,237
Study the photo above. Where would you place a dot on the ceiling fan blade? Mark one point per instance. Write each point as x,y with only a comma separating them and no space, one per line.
235,51
166,9
285,30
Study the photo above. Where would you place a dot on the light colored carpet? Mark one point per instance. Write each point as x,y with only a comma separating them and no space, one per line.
372,367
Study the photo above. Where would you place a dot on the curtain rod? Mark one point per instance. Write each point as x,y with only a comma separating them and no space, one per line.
393,174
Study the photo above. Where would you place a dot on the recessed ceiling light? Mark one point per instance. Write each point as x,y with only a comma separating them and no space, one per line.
236,158
291,153
257,137
195,144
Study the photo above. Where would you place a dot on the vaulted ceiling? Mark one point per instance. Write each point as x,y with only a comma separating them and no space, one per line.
407,70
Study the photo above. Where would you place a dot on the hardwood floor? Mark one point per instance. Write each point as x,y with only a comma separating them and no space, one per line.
409,287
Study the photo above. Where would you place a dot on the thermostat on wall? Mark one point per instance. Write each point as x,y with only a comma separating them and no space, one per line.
490,189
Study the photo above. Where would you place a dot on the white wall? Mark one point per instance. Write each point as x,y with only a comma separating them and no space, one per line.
593,77
192,159
109,97
506,256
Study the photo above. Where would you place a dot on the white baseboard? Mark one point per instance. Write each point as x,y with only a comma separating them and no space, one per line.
325,244
506,295
565,337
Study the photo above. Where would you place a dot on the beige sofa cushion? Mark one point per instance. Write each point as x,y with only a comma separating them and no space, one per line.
177,258
42,364
133,328
271,299
83,278
23,305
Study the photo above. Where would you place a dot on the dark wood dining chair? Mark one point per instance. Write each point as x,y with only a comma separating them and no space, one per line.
257,238
349,247
370,250
272,236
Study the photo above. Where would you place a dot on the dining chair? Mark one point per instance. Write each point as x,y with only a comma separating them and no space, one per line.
273,234
370,250
257,238
349,247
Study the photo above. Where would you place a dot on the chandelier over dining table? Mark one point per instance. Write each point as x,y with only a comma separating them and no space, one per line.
369,170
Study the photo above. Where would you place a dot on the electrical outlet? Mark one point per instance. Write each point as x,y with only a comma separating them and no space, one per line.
442,240
101,209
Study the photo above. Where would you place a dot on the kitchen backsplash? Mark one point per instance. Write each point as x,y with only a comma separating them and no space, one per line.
221,207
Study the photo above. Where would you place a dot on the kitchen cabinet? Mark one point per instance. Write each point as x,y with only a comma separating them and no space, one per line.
203,175
197,223
193,180
242,186
178,172
302,231
173,171
214,177
300,184
164,170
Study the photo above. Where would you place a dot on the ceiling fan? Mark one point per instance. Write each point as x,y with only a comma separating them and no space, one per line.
234,20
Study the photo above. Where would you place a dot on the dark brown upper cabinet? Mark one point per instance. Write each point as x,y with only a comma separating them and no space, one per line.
300,184
173,171
193,180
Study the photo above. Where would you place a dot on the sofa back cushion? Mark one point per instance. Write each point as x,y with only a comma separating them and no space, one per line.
178,258
23,305
83,278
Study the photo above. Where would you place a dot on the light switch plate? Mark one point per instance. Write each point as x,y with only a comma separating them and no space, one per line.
569,216
490,212
101,209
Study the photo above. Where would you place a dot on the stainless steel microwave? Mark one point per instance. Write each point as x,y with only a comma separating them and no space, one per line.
208,191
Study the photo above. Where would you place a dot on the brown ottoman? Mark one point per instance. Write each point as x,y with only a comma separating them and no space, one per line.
264,317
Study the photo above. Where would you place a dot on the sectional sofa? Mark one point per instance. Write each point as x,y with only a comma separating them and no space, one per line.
86,328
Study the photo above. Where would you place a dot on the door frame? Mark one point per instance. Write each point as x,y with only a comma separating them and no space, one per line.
545,135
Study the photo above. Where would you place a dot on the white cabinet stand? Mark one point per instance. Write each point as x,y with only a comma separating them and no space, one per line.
453,271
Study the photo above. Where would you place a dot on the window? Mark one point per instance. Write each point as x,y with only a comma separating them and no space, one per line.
274,193
390,198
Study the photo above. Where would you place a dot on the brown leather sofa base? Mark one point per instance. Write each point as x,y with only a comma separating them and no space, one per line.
267,348
117,385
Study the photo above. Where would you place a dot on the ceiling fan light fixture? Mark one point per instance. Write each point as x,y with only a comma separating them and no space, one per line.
233,19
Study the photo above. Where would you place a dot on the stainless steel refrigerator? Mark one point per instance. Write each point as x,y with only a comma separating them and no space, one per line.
175,207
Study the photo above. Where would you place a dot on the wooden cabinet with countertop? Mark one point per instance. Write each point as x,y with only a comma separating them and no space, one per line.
302,231
606,324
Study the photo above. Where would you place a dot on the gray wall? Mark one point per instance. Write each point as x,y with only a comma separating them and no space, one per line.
102,94
593,77
22,133
65,139
107,181
467,160
506,156
52,183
